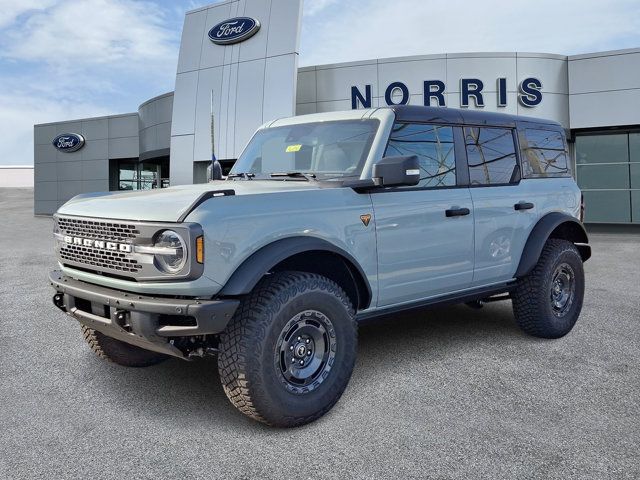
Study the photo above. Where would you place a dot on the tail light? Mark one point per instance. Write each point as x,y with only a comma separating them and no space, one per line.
582,207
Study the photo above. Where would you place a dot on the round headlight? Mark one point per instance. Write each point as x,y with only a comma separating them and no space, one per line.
172,262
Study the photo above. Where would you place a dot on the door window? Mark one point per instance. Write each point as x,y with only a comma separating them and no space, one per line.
433,145
491,153
545,153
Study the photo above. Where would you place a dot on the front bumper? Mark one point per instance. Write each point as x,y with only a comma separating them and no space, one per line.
141,320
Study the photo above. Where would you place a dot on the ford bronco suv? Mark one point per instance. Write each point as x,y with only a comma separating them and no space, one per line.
326,220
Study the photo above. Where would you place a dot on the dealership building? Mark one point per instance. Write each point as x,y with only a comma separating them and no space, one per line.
238,63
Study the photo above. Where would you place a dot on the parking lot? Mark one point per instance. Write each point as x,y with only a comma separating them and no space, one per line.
447,393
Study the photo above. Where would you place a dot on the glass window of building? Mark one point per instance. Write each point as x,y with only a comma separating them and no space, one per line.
491,153
608,172
434,147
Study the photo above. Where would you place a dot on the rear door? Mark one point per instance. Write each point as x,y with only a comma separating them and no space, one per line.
503,212
425,233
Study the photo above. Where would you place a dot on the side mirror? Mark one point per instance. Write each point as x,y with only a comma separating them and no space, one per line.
397,171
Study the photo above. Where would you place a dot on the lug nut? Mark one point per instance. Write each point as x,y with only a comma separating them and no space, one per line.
308,341
301,362
293,360
309,353
299,338
291,347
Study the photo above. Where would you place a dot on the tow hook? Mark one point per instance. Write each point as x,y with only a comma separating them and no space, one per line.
58,301
122,319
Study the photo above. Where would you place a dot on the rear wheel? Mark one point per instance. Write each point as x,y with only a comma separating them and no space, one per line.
548,301
119,352
288,353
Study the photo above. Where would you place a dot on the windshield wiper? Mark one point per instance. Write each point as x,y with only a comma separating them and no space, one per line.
248,176
307,176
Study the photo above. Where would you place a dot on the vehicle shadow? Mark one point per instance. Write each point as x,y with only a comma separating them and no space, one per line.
191,391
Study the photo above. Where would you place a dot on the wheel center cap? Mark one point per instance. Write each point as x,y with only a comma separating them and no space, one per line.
300,351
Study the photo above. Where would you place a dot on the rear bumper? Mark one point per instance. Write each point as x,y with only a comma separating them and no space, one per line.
145,321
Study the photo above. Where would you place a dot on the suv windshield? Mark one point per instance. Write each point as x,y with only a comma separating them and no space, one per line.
326,150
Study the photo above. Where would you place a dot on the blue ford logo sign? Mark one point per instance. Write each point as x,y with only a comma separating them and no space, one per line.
68,142
234,30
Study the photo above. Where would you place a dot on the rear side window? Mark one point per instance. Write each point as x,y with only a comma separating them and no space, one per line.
491,154
433,144
544,153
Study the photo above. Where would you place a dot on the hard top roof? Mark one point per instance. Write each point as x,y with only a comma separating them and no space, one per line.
416,113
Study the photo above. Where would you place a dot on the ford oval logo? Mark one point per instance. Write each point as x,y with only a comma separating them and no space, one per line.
68,142
234,30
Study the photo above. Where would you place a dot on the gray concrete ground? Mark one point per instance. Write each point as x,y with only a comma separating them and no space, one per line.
450,393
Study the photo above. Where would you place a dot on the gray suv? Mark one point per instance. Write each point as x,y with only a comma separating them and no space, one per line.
326,220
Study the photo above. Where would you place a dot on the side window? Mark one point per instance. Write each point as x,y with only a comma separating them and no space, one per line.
491,154
433,144
544,153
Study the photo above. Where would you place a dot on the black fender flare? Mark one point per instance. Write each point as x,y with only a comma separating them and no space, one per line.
571,229
252,269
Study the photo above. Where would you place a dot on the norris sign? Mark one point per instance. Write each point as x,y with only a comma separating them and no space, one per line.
471,90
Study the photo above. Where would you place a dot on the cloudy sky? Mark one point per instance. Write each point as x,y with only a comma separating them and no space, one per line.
66,59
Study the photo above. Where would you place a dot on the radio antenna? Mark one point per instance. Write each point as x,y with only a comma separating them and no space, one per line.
216,168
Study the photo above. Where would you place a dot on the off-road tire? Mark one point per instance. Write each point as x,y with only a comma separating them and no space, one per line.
119,352
532,299
248,349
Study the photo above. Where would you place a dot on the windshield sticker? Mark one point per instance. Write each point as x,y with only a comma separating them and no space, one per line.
293,148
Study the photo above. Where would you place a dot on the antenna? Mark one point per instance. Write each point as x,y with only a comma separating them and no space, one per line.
216,168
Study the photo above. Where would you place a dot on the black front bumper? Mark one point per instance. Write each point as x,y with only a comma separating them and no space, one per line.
144,321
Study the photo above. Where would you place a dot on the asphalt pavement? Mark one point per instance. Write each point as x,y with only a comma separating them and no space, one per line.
447,393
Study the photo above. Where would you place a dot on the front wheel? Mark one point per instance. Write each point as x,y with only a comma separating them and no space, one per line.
548,301
288,353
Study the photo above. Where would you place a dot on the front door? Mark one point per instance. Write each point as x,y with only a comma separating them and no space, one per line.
424,233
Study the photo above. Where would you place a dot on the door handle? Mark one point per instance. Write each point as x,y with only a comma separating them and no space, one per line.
523,206
457,212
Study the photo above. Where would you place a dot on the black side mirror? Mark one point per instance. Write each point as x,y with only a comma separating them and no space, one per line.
397,171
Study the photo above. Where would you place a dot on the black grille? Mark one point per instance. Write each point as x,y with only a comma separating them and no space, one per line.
99,259
99,230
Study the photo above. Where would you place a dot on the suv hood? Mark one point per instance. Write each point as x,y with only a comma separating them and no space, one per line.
168,204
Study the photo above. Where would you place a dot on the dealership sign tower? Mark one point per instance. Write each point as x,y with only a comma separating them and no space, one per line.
244,55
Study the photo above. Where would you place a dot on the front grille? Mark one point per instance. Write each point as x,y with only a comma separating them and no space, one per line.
103,230
97,258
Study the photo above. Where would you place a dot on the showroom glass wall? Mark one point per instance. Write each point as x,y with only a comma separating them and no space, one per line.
131,174
608,173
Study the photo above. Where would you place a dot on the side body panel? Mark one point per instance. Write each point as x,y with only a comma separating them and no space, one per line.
501,231
236,227
421,251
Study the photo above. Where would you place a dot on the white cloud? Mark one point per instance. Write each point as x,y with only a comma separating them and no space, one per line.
84,32
380,28
313,7
10,10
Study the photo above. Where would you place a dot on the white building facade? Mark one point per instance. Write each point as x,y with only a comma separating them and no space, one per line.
239,62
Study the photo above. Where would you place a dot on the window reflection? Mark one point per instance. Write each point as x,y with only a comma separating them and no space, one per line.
433,145
491,153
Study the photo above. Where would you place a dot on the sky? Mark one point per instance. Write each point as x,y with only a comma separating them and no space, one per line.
68,59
